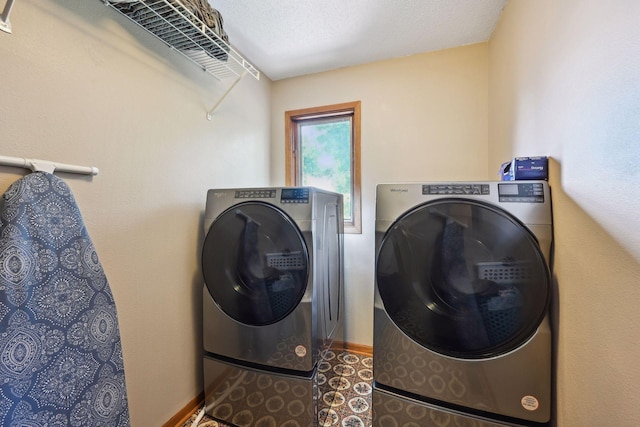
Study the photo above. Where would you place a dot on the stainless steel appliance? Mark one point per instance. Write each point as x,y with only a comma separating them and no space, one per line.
463,287
273,294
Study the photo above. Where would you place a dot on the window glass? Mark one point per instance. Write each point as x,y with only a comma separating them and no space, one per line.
323,151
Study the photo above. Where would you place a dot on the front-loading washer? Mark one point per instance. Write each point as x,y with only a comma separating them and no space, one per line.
272,265
273,306
462,295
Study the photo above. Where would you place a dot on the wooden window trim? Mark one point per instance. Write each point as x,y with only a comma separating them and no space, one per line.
291,159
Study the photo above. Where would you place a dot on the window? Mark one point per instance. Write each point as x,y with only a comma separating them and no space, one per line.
323,150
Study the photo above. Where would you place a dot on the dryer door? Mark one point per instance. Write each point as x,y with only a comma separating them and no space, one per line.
463,278
255,263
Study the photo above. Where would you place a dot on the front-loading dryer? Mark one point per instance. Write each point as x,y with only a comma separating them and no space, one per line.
272,265
463,287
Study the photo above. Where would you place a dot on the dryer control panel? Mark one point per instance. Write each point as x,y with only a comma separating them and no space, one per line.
521,192
455,189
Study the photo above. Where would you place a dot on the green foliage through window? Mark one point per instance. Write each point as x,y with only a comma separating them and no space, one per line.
325,152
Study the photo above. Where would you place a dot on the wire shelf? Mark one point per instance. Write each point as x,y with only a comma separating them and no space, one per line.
182,30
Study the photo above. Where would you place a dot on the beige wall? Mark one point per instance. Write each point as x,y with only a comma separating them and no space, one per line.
424,117
564,81
82,85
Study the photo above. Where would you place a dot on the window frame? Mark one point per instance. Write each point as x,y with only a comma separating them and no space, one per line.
292,161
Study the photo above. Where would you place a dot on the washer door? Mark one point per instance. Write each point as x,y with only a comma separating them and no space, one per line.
463,278
255,263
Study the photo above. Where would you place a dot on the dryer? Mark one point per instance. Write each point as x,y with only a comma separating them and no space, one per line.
272,265
462,295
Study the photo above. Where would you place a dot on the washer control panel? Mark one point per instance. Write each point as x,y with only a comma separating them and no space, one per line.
294,195
256,194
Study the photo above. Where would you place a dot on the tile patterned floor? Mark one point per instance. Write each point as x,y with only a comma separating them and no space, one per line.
348,401
345,380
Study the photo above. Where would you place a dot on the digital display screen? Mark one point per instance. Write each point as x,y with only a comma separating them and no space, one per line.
508,189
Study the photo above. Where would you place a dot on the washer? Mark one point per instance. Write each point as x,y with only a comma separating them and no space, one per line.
272,265
463,287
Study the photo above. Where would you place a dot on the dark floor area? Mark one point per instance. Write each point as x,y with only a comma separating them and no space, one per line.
345,379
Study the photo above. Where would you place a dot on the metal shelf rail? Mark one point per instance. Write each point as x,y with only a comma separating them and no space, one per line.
5,24
178,27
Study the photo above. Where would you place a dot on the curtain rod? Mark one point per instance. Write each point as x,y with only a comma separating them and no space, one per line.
37,165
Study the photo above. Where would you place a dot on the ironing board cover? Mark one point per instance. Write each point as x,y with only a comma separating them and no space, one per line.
60,352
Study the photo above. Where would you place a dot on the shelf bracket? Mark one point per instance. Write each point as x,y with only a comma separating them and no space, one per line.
224,95
5,24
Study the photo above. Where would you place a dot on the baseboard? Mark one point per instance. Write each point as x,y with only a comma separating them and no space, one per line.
366,350
185,413
196,403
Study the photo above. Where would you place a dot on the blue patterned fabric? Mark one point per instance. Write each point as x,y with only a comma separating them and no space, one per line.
60,353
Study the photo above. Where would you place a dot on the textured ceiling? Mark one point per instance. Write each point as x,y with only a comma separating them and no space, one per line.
288,38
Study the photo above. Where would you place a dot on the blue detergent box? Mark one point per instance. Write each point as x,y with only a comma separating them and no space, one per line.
525,168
